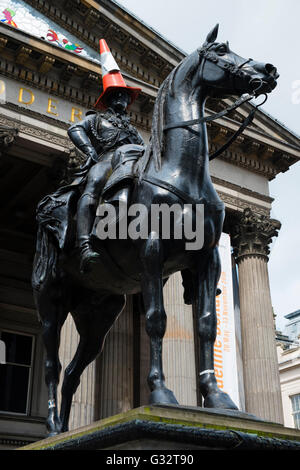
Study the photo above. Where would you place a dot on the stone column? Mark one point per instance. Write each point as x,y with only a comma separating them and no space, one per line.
115,367
106,385
178,345
251,238
83,403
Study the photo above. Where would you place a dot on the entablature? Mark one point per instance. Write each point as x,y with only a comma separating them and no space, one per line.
137,48
41,65
254,150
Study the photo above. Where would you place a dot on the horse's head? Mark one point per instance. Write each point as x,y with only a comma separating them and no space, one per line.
227,73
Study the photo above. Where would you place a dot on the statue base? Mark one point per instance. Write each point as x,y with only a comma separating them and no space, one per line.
174,427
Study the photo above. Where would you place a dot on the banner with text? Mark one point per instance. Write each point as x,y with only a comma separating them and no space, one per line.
225,345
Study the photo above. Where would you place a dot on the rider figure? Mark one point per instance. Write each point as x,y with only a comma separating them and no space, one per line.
98,136
104,133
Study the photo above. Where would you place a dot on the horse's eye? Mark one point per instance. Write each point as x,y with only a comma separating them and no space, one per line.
222,49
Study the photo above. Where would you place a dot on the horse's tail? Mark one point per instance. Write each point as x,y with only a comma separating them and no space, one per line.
45,264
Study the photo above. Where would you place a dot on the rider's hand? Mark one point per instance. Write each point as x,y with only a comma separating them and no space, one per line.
86,166
93,155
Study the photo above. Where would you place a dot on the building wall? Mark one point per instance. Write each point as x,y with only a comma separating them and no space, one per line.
289,371
64,86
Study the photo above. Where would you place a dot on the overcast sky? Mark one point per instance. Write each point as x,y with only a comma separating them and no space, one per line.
267,31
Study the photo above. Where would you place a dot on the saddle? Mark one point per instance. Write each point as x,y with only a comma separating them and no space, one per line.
56,213
118,188
118,184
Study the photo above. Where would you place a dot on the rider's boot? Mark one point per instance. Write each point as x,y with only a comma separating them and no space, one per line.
87,255
85,218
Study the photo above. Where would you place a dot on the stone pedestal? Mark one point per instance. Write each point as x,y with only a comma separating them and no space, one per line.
261,375
174,428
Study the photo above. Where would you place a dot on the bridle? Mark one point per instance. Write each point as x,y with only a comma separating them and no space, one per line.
236,71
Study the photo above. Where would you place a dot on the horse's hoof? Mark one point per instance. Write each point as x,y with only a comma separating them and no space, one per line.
53,434
219,400
162,396
53,426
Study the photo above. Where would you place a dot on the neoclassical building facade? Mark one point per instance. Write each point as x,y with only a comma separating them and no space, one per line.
50,76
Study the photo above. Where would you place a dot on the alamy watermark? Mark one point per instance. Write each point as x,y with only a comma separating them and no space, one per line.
296,92
164,221
2,352
2,92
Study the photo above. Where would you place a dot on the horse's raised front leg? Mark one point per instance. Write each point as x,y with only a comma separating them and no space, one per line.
208,277
152,290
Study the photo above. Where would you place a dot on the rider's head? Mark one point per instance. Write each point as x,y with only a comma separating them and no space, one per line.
118,100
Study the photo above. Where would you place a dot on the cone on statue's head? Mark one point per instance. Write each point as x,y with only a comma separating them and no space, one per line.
112,78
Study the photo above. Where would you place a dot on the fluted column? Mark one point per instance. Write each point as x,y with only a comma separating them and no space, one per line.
83,403
115,367
251,237
178,345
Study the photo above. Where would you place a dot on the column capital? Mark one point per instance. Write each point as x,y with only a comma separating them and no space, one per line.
252,233
7,136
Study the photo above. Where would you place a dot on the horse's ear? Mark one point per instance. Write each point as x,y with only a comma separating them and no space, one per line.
212,35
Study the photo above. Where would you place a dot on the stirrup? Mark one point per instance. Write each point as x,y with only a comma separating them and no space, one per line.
87,258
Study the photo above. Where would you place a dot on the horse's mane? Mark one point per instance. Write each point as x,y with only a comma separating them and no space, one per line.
155,147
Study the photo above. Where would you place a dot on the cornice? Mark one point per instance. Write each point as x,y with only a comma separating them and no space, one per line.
253,154
138,119
257,152
128,34
130,20
263,123
238,205
38,55
241,190
90,21
35,131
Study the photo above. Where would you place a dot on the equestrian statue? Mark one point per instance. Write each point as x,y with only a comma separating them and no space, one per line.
76,271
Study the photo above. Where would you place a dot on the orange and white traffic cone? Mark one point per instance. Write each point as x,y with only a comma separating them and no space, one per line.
112,77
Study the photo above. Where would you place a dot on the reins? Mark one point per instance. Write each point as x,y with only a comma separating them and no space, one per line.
215,116
235,70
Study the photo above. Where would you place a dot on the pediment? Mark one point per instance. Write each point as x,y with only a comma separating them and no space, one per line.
23,17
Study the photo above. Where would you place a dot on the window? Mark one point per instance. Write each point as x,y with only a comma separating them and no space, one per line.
15,374
296,410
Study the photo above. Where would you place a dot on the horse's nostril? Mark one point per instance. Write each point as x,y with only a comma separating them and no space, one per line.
255,84
270,69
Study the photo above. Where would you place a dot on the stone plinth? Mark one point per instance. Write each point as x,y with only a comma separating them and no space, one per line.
175,427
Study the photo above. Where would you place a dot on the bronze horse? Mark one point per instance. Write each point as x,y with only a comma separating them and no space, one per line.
173,170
